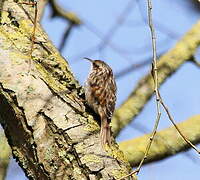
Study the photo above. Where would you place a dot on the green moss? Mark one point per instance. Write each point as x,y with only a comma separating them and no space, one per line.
70,157
91,158
30,89
121,173
26,27
49,153
77,170
4,17
91,125
116,153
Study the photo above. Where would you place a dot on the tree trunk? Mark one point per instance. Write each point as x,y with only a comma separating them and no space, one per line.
52,134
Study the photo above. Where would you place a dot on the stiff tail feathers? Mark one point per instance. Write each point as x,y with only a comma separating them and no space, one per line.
105,134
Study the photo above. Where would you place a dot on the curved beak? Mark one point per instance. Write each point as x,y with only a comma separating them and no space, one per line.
88,59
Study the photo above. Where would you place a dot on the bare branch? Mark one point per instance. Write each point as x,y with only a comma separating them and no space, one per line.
168,142
156,91
168,64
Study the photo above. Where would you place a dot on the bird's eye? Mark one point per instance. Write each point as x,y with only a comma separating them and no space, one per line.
95,65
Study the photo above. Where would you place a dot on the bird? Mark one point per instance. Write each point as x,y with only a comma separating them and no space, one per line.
100,92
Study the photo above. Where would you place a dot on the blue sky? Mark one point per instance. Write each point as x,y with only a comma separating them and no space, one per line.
132,39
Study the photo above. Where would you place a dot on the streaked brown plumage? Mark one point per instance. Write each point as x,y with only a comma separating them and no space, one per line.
100,91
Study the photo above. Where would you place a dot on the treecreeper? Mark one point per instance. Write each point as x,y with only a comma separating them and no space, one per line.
100,92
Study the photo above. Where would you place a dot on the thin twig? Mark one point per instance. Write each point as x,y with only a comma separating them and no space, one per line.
131,68
106,39
158,97
117,24
159,100
34,27
155,78
142,128
161,27
34,21
134,67
179,131
156,91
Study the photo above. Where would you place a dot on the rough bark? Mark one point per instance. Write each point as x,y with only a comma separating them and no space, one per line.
52,134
